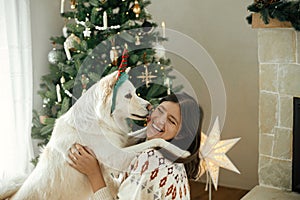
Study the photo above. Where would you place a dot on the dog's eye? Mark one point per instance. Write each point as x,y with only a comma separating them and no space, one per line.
128,96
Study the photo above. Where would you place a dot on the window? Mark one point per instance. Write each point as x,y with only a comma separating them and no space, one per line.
15,87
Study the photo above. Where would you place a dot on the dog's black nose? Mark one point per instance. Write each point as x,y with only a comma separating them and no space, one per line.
149,107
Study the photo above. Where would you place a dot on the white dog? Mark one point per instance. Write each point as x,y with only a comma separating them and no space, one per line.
90,122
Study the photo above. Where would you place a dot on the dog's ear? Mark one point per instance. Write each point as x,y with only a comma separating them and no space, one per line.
113,77
108,84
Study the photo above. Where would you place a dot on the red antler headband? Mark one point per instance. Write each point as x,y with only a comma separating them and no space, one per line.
123,65
121,78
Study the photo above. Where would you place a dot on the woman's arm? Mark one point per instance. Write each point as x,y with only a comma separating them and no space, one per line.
150,175
86,162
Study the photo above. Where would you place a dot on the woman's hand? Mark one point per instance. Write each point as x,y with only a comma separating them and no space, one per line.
85,161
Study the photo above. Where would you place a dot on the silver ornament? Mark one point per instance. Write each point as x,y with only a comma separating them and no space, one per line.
55,56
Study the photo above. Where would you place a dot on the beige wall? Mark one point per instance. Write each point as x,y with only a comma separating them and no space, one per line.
45,23
220,27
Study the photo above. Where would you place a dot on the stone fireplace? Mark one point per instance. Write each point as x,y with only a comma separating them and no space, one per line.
279,83
296,146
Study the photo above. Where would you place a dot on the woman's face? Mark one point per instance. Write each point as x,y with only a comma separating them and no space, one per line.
164,121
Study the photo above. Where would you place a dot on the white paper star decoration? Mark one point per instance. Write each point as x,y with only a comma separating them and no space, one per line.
213,154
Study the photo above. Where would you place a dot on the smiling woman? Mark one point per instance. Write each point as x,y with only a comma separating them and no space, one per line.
16,87
154,173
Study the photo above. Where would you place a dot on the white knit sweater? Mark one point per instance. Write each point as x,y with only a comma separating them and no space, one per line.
150,176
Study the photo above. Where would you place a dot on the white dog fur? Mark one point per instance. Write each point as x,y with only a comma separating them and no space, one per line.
89,122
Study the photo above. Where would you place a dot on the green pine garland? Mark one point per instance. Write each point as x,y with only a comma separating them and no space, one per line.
277,9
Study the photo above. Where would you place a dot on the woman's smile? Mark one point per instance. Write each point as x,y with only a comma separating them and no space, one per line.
157,128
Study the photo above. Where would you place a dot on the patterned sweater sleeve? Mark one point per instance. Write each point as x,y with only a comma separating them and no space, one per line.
151,176
102,194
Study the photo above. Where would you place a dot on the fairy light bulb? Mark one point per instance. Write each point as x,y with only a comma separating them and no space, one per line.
136,8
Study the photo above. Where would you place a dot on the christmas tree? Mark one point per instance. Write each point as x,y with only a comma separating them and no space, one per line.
90,47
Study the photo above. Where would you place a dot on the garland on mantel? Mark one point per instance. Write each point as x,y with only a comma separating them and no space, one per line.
277,9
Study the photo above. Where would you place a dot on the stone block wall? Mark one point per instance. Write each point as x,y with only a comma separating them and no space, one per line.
279,82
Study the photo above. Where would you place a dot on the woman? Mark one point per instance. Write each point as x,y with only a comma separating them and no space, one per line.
155,173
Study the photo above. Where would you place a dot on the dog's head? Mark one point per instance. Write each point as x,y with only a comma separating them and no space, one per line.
125,103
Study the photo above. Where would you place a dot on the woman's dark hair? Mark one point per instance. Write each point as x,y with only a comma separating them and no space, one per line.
189,135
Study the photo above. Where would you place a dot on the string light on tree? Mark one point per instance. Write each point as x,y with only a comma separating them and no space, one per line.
136,8
87,31
67,92
111,27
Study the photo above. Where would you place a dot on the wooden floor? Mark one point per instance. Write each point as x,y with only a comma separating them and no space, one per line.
223,193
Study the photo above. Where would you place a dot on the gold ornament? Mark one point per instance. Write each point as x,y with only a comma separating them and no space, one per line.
136,8
71,42
43,118
73,4
69,45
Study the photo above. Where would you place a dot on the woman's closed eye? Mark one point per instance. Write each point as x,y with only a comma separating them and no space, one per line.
160,110
172,121
171,118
